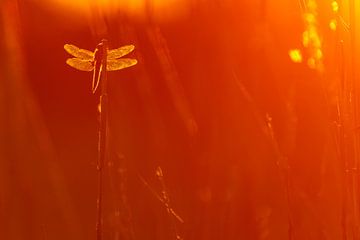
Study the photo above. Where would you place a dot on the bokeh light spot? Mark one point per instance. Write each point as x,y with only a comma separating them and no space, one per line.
295,55
333,25
335,6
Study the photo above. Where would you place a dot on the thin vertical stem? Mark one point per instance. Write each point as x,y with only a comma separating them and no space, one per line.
102,138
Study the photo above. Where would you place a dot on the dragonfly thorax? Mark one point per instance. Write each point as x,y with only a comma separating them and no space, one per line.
100,52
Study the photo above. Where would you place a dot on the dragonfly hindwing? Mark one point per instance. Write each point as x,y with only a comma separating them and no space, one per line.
117,64
80,64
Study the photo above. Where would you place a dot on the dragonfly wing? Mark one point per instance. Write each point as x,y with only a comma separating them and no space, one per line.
79,64
117,64
78,52
119,52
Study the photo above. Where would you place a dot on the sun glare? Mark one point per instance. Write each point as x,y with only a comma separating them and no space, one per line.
160,9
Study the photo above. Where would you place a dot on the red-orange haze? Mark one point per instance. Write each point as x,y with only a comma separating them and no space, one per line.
163,10
240,120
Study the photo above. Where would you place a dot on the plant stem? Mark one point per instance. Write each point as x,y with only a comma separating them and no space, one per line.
102,139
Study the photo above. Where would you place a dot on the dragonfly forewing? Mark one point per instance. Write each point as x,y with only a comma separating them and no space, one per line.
119,52
78,52
80,64
117,64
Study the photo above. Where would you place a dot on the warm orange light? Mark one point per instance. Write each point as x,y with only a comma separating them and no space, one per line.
160,9
318,54
306,38
104,5
295,55
311,63
333,24
311,39
335,6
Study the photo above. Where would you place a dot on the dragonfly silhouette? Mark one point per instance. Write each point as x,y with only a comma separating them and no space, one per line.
86,60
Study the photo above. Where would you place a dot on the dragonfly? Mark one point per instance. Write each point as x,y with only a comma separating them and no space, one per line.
85,60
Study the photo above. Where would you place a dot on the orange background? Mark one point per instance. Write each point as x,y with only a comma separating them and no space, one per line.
252,145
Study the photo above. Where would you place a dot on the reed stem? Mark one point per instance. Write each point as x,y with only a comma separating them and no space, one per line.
102,140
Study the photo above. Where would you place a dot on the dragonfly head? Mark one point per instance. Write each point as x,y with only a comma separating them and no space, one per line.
103,43
100,49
